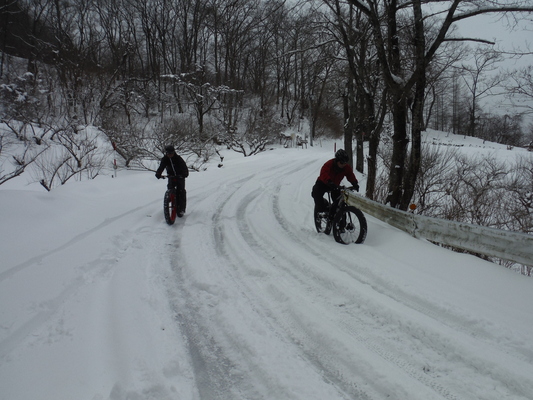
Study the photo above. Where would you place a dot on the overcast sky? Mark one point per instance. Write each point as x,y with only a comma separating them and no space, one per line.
491,28
520,38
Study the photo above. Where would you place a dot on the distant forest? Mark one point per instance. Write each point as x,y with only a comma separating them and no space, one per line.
241,72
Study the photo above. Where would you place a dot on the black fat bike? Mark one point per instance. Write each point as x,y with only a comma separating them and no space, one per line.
348,222
171,202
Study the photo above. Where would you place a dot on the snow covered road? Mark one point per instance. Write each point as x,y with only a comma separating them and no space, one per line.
242,299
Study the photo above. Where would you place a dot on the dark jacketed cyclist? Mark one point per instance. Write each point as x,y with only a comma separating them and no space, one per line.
177,171
331,175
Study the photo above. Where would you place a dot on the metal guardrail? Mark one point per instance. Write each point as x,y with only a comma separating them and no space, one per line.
507,245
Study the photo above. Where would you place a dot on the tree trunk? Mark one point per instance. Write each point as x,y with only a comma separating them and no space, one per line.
373,144
399,151
349,118
360,130
415,158
418,110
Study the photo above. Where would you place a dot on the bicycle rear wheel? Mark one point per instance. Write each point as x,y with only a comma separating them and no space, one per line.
349,226
169,206
321,218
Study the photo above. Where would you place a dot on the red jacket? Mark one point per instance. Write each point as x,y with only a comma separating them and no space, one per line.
331,172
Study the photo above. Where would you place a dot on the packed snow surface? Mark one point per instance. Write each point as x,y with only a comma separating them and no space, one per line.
242,298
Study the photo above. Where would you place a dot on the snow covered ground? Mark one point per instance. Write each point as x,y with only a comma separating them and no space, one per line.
242,299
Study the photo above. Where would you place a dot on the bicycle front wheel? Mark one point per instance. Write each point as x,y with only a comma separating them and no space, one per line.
349,226
169,206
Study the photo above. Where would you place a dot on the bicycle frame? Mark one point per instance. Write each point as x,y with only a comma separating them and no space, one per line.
340,201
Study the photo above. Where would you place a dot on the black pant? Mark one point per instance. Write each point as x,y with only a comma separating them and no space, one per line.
319,189
178,183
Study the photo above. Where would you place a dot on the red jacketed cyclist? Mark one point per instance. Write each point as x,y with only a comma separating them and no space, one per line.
331,175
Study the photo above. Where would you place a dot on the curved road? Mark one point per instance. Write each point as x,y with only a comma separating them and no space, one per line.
287,313
242,299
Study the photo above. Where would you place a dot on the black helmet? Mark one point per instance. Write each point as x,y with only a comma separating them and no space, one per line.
169,149
342,156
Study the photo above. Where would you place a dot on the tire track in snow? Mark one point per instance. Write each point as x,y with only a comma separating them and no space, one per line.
211,367
339,369
315,349
40,318
349,314
281,262
451,323
96,269
230,250
76,239
216,375
353,324
241,375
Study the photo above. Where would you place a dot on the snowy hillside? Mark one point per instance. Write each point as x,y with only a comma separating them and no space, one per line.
242,299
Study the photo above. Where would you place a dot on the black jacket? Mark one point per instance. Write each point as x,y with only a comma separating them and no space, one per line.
175,166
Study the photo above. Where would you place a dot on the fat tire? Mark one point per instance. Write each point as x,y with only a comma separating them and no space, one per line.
169,206
321,220
349,226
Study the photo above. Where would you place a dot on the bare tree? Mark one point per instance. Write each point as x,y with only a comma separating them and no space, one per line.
432,185
442,76
18,150
260,129
504,129
519,85
72,155
201,96
479,80
478,185
234,26
520,189
181,131
129,139
365,106
404,69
